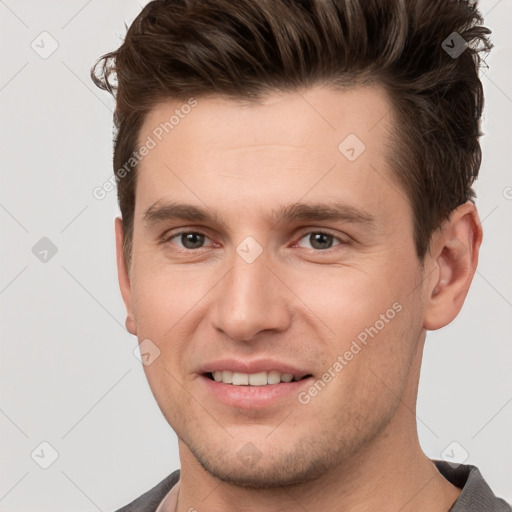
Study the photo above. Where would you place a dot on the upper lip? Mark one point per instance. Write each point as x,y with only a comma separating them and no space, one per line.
255,366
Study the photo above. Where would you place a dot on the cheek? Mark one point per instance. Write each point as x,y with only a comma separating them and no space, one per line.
371,320
162,296
368,366
349,300
161,302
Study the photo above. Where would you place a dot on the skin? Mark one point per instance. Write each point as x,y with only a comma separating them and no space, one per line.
354,446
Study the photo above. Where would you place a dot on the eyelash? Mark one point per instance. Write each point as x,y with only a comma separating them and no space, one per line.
167,239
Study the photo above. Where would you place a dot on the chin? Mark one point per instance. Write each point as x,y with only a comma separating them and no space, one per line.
304,463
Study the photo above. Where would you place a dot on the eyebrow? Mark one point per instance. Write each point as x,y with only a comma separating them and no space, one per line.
160,211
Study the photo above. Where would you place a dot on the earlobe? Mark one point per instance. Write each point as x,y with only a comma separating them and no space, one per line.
454,257
124,278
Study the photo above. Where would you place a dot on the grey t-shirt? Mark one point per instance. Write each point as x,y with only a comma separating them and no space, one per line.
476,495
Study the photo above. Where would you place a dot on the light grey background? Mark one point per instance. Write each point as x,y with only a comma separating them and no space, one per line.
68,373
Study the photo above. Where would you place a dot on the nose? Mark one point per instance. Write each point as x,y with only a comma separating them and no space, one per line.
249,300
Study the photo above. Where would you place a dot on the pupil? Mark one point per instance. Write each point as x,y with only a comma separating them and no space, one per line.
320,240
192,240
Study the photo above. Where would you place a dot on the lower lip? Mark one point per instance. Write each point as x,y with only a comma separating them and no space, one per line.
254,397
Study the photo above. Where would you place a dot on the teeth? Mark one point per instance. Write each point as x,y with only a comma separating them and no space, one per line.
273,377
252,379
240,379
258,379
227,376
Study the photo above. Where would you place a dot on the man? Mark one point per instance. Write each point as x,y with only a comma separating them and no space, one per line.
294,179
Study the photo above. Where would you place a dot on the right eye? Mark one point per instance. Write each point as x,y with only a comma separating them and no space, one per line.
188,240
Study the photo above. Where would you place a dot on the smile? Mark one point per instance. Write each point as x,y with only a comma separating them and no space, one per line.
253,379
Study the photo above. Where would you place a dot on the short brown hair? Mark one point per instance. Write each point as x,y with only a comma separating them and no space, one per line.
175,49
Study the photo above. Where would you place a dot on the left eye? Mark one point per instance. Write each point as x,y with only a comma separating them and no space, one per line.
320,241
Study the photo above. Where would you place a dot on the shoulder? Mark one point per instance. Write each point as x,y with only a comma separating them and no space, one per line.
149,501
476,494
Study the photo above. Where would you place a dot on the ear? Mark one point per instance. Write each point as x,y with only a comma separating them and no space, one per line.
124,277
453,258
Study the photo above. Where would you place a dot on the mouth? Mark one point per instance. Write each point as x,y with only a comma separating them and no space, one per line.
263,378
264,384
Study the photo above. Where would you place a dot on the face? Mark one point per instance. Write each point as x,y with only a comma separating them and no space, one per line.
269,243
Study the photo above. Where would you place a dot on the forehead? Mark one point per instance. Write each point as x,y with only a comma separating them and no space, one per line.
287,145
303,118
